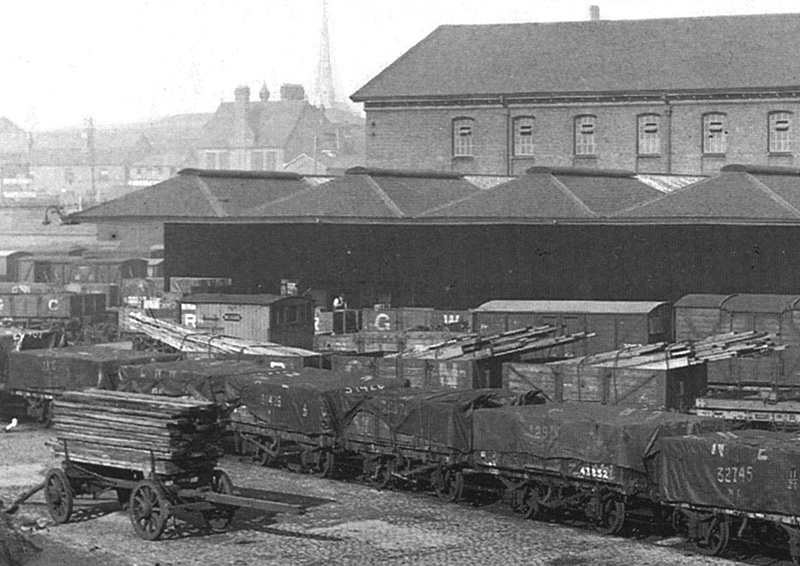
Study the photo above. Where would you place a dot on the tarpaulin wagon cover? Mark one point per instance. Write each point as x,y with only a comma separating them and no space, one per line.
423,419
586,432
747,470
202,379
307,401
73,368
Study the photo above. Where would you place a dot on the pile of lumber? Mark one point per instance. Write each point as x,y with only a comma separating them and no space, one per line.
475,347
138,432
714,348
189,340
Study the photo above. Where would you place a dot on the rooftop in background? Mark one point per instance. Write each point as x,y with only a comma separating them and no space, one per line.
740,193
554,192
680,55
594,307
198,193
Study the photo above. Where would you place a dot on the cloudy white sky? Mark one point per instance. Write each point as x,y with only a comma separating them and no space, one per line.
63,61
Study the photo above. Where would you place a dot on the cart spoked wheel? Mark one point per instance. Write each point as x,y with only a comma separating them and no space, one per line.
221,516
610,516
149,510
58,495
716,540
449,484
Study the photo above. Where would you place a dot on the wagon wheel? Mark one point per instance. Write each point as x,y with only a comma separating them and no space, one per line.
149,510
716,540
58,495
318,462
382,473
534,499
610,516
449,484
221,516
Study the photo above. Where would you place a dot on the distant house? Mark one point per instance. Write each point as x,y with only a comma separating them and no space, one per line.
684,95
266,135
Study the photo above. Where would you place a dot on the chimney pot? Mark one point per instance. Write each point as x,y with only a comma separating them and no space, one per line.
594,13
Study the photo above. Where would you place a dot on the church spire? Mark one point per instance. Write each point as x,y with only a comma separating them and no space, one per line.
324,94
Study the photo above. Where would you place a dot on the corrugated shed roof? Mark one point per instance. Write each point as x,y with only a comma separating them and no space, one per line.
593,307
680,54
737,193
201,194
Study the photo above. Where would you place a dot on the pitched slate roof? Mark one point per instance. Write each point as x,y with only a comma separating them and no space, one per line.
271,123
374,193
195,193
680,54
738,193
551,193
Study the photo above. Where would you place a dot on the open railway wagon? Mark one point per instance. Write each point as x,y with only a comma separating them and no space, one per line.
158,454
737,485
578,459
40,375
421,437
295,417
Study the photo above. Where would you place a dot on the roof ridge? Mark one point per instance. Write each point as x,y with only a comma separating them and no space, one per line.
564,189
773,195
384,197
213,201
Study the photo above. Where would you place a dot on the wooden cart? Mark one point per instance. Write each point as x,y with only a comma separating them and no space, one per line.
152,498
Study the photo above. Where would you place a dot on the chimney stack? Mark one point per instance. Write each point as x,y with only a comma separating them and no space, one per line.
241,103
594,13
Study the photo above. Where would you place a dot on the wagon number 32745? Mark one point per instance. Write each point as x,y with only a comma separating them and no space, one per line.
735,474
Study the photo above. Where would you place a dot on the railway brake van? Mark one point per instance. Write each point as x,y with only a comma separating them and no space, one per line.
282,319
616,324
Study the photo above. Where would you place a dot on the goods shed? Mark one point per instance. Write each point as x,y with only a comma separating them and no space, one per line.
616,324
287,320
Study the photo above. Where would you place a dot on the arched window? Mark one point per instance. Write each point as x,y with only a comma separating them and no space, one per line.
780,132
523,136
715,133
585,131
462,137
649,128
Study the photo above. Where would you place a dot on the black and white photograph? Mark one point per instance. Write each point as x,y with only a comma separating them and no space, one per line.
378,283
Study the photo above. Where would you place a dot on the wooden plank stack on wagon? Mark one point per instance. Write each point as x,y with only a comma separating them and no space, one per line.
158,454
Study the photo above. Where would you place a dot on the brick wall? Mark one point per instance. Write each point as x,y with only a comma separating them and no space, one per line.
411,138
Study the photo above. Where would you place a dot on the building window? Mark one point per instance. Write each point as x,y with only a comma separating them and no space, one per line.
218,159
263,160
585,127
523,136
715,134
649,135
462,137
780,132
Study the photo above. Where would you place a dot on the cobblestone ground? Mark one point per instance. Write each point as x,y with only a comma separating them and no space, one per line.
352,524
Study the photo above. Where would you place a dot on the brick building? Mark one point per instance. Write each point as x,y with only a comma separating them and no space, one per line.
684,95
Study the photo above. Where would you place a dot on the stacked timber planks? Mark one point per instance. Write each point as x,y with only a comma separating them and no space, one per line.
138,432
475,347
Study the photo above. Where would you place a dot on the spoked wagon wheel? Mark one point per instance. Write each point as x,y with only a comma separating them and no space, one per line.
716,541
610,516
534,500
382,473
58,495
149,510
318,462
449,484
221,516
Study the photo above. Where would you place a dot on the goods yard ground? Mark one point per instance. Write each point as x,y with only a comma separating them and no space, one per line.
355,525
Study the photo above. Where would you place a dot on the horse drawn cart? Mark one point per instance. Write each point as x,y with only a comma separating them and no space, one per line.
158,454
